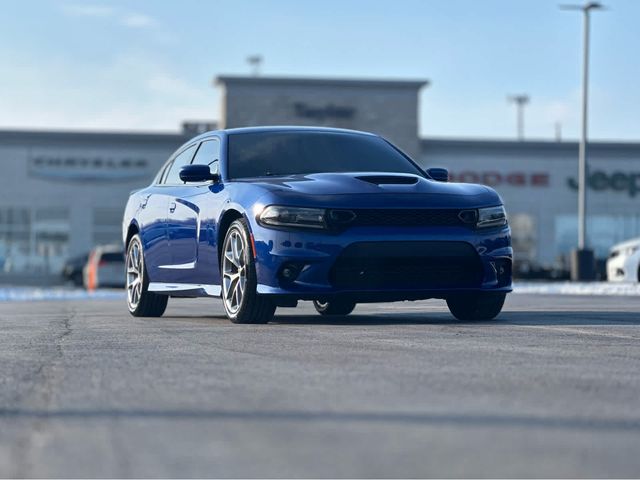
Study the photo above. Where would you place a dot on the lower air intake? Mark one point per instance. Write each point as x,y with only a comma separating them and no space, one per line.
407,265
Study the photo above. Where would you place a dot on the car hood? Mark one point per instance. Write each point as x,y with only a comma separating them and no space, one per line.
366,189
634,242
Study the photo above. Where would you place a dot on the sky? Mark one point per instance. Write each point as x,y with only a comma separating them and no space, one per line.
148,65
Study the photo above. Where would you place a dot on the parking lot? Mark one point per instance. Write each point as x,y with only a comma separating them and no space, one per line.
550,389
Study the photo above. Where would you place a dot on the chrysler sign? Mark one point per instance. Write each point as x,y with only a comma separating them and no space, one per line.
88,167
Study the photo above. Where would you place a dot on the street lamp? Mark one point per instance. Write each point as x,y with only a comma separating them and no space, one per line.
520,101
582,261
256,62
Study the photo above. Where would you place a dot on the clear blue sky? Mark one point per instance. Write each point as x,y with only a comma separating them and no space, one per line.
146,65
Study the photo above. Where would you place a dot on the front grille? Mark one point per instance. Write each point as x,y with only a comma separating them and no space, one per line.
407,217
407,265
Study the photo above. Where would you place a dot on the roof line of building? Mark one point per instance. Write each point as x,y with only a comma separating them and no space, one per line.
45,135
426,142
505,143
320,81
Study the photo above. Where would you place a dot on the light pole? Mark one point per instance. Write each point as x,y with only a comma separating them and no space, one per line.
520,101
256,62
583,262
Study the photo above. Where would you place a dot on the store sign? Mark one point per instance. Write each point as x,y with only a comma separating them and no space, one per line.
496,179
88,168
327,112
617,181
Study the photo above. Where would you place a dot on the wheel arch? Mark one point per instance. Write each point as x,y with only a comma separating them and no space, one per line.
228,217
131,231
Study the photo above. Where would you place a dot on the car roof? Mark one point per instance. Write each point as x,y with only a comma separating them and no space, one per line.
279,128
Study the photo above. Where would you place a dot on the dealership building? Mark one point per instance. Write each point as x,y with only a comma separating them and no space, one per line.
64,192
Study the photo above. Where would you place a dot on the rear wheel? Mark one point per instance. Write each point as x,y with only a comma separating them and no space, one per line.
141,302
480,306
334,307
242,303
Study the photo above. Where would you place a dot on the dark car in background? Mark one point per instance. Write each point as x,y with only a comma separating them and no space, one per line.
72,269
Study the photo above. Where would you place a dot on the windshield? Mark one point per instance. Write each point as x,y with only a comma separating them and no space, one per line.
288,153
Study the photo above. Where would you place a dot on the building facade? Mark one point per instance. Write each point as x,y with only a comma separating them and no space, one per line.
386,107
538,182
63,192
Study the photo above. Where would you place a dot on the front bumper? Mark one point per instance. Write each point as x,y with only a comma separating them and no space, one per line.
317,255
622,268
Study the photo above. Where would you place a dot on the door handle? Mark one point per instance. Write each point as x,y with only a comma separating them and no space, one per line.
172,207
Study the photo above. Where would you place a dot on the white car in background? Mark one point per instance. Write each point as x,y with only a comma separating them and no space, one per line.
105,267
623,264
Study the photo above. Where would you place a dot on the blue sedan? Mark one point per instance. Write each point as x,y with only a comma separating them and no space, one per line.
264,217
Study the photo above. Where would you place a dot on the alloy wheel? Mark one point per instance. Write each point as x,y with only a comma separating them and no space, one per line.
234,271
134,274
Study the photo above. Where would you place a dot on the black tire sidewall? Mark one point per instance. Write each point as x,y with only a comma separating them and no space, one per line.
481,306
334,307
150,304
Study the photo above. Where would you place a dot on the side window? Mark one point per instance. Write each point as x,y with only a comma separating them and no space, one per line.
172,177
162,174
208,154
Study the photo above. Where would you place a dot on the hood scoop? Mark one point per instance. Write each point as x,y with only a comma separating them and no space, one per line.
388,179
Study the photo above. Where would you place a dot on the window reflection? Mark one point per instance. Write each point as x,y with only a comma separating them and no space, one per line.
603,232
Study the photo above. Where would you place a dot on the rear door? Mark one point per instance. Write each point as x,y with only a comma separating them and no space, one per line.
152,216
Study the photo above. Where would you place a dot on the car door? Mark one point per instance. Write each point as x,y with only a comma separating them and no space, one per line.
209,200
152,217
187,224
180,218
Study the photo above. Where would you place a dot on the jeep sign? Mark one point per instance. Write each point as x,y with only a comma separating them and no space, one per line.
599,181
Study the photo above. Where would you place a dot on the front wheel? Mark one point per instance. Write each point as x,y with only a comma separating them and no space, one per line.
479,306
141,302
242,303
334,307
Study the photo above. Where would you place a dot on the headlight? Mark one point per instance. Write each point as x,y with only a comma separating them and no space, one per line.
279,216
632,250
491,217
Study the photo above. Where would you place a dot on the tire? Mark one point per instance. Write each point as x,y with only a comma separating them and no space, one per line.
334,307
483,306
240,299
140,301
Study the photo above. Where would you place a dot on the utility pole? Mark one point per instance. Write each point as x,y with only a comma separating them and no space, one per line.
558,130
520,101
583,261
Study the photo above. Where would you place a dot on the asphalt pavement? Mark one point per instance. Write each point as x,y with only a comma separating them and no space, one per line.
549,389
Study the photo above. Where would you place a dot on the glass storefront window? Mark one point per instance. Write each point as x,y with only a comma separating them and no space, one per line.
523,237
603,232
107,225
33,240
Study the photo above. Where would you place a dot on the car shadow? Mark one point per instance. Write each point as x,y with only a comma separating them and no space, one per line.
202,312
524,318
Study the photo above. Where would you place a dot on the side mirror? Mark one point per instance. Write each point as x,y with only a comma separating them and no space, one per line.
197,173
438,174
